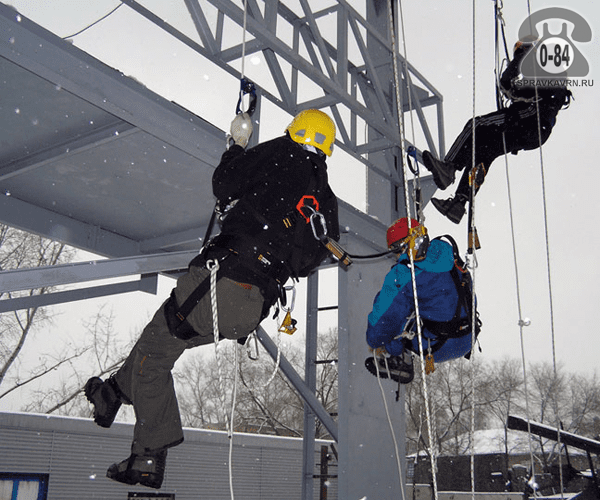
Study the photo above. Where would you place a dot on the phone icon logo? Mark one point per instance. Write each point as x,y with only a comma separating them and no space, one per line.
555,55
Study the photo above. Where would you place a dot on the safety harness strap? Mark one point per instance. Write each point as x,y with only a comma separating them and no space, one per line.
252,254
176,316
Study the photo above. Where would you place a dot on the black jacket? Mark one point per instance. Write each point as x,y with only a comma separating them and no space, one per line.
268,181
550,98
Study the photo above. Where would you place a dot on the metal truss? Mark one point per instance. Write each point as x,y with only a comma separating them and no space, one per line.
333,48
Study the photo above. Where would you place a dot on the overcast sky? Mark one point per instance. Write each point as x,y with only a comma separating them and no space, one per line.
439,44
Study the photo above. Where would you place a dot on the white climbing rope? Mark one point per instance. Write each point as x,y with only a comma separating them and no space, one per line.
473,248
409,91
244,31
389,419
412,266
213,266
521,321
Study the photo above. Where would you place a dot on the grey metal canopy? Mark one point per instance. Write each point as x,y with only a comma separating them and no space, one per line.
93,158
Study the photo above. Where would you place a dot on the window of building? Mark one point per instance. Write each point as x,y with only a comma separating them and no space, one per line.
23,486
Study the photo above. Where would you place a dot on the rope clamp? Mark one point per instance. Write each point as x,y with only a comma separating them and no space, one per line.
288,325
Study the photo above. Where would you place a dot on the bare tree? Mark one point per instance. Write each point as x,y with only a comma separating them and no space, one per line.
582,409
505,396
265,400
450,393
54,381
101,351
23,250
327,376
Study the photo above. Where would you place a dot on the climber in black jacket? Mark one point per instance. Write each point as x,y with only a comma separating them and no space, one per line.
271,198
516,126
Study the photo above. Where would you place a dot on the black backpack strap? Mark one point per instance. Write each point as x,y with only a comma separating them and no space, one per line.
458,326
176,316
455,250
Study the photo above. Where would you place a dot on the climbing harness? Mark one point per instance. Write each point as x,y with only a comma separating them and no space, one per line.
460,324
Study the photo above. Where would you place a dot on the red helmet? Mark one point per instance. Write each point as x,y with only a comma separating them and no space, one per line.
399,230
401,238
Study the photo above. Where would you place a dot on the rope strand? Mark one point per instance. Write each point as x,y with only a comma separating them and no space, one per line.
213,267
473,248
412,264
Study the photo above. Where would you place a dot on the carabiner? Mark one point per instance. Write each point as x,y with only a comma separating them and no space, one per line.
412,152
252,337
293,289
321,218
246,87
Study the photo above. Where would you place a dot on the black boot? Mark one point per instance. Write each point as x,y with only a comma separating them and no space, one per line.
398,368
453,208
106,398
147,470
443,173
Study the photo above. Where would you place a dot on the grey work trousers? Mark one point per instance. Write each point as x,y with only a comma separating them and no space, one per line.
145,377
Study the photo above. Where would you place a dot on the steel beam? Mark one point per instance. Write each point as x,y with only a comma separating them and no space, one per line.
548,432
27,217
81,272
147,283
298,383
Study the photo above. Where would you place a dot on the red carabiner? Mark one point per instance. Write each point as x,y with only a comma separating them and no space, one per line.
302,203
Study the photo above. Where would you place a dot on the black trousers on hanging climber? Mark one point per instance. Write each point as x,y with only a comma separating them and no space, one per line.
524,125
516,126
265,239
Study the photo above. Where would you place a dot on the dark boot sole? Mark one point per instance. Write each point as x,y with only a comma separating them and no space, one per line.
133,477
403,376
126,473
92,385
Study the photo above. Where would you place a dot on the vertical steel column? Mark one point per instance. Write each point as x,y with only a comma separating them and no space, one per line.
310,378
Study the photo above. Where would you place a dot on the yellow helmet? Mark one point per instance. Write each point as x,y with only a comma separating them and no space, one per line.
315,128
